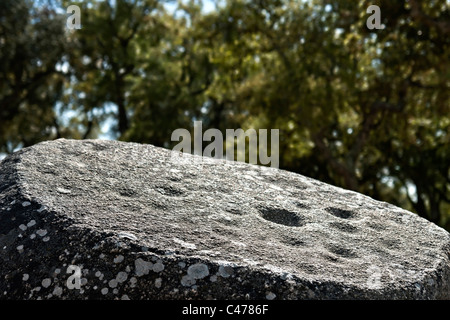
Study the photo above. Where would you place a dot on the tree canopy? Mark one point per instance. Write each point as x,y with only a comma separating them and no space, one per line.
364,109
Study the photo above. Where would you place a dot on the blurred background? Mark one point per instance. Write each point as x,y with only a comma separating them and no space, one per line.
367,110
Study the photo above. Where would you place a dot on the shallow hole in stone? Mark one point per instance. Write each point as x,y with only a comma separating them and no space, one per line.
282,216
126,192
340,213
169,191
174,179
234,209
302,205
341,251
376,226
391,243
293,241
345,227
330,258
97,146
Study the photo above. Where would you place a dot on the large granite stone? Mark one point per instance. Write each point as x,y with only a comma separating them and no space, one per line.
113,220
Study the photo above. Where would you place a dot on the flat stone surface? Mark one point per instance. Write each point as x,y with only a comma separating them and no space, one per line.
112,220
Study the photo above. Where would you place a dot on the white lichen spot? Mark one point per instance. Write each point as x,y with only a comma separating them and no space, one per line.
46,282
158,283
181,264
26,203
142,267
57,291
121,244
273,268
198,271
213,278
210,252
286,276
23,227
115,291
124,297
238,243
31,223
271,296
41,232
121,277
104,291
32,236
112,283
127,235
185,244
158,266
83,281
45,239
272,186
63,191
20,248
225,271
25,277
127,269
133,282
187,281
42,209
118,259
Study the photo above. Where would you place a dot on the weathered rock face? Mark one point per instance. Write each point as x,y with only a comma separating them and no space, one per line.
113,220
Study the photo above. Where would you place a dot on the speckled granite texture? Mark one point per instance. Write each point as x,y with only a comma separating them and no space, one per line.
112,220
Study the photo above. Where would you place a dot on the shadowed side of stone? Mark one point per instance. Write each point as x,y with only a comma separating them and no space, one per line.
112,220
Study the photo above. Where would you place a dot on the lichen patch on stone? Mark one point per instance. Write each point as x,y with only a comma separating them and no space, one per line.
198,271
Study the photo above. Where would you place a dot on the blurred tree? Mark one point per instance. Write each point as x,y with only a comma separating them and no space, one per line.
128,56
32,42
367,110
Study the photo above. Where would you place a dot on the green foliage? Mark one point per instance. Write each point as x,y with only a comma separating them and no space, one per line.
32,42
364,109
